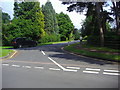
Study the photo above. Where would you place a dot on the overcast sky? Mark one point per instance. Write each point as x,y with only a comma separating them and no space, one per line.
7,6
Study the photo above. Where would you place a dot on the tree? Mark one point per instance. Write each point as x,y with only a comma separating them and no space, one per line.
98,8
66,26
5,18
51,24
94,10
76,34
29,20
5,27
116,12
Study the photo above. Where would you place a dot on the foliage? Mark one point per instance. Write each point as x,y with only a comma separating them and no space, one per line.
28,22
76,34
65,27
51,24
5,18
97,18
89,27
49,38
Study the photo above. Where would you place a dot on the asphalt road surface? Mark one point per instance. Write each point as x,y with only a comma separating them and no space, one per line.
50,67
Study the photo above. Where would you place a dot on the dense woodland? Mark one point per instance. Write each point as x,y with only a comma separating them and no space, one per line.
43,24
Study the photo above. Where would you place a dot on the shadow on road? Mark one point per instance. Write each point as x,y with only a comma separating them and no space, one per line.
54,51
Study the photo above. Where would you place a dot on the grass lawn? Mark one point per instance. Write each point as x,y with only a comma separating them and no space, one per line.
4,51
51,43
108,56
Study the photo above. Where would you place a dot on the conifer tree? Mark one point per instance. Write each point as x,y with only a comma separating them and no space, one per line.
51,24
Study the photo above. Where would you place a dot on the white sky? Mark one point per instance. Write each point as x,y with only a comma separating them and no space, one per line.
7,6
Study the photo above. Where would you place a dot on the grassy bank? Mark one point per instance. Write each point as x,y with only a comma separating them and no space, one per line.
4,51
86,52
51,43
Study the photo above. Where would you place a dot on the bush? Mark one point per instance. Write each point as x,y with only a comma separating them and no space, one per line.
112,40
50,38
93,40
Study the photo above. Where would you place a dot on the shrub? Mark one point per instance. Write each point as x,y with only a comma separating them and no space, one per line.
49,38
93,40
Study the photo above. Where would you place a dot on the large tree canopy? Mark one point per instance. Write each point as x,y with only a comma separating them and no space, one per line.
28,22
66,26
30,19
96,17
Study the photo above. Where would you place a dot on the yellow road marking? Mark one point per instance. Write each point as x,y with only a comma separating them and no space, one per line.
9,56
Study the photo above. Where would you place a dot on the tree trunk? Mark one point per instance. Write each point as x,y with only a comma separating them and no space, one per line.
103,22
116,7
98,6
118,17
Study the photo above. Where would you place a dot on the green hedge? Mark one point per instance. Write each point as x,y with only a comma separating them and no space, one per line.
49,38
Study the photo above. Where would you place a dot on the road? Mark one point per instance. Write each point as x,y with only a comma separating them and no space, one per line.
50,67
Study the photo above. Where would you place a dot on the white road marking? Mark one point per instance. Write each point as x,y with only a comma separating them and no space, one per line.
56,63
26,66
5,64
64,69
93,69
90,72
73,67
69,70
111,73
15,65
43,52
54,69
39,67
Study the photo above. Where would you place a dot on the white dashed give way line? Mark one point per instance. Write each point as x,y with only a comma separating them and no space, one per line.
73,67
39,67
54,69
87,70
27,66
15,65
5,64
111,72
91,70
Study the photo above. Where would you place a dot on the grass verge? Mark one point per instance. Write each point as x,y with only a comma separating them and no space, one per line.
51,43
4,50
108,56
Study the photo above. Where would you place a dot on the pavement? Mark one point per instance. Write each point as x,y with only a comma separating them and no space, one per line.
49,66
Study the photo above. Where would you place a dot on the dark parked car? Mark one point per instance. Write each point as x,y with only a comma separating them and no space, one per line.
23,41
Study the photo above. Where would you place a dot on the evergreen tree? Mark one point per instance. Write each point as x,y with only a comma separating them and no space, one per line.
51,24
5,18
66,26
